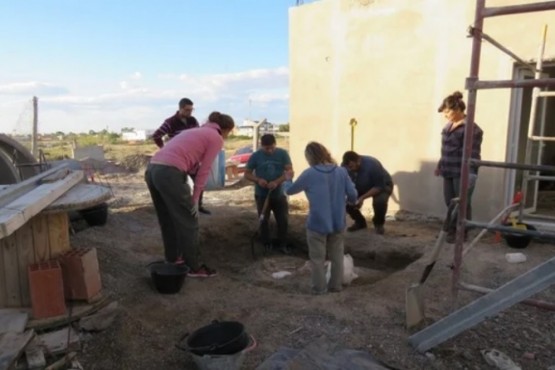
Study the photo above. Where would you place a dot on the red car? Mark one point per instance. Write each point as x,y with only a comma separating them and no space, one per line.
241,157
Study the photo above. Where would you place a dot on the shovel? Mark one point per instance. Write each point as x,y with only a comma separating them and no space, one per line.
414,299
260,220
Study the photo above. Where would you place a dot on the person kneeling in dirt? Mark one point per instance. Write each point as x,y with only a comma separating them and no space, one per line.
327,186
176,207
372,181
266,169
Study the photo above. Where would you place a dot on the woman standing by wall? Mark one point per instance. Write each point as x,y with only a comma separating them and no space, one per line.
452,147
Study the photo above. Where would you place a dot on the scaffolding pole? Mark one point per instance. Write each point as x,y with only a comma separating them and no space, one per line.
473,84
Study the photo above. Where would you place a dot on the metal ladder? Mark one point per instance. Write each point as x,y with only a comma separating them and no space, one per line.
532,139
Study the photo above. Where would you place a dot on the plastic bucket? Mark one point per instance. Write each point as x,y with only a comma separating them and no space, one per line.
216,178
218,338
167,277
223,362
95,216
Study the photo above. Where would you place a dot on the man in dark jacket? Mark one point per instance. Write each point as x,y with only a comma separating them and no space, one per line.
182,120
371,181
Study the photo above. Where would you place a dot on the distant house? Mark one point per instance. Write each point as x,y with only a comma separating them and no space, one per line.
247,128
137,135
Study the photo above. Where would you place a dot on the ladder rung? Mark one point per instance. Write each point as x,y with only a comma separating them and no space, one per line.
546,94
545,178
542,138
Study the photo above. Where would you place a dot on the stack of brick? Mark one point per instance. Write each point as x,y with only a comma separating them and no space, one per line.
75,275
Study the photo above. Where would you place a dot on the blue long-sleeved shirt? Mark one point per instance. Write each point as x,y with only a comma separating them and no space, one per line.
327,188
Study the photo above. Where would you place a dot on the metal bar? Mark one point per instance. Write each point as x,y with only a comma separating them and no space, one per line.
531,302
516,290
500,216
516,9
546,94
467,152
491,40
542,138
544,178
501,84
513,166
511,230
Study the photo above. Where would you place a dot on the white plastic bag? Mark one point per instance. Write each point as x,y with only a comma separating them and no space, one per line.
349,273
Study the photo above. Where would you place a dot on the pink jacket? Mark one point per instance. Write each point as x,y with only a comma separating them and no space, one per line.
192,149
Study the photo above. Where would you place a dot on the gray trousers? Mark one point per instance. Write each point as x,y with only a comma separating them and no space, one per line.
318,245
173,203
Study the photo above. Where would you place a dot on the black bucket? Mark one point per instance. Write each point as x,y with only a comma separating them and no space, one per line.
518,241
95,216
167,277
218,338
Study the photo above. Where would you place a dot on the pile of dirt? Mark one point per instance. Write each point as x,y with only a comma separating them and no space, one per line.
135,162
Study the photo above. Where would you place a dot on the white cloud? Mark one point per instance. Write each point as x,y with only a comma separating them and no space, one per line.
259,93
32,88
136,76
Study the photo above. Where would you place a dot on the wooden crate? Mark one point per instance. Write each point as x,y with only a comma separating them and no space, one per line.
43,237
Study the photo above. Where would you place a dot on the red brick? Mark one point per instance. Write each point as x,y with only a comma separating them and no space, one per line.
47,289
81,273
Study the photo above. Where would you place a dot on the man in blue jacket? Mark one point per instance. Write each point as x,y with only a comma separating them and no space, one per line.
371,181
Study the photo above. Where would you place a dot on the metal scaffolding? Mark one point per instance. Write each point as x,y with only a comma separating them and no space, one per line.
473,84
542,276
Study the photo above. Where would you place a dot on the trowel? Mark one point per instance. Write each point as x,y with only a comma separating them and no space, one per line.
414,299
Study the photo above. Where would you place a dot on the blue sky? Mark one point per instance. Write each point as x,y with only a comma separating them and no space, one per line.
112,64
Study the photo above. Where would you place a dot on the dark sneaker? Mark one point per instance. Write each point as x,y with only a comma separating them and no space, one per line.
379,229
204,210
355,227
202,272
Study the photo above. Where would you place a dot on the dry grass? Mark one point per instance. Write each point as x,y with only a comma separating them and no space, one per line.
117,152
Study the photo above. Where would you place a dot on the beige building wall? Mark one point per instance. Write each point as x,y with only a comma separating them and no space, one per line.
389,64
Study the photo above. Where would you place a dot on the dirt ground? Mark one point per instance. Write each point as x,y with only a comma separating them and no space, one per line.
368,315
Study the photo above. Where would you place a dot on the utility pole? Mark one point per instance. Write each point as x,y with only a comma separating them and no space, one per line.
34,148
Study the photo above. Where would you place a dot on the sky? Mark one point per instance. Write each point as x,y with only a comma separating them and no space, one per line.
109,64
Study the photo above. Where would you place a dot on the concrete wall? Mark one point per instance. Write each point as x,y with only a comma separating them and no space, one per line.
389,64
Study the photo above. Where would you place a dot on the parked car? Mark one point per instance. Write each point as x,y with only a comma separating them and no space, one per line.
241,157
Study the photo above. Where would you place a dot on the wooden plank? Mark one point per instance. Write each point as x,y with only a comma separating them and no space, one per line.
11,271
13,320
11,192
56,342
3,292
11,347
79,197
39,225
25,256
34,355
58,233
35,201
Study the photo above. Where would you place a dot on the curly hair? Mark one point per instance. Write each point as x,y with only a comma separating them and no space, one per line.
316,153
